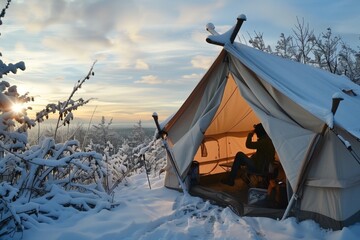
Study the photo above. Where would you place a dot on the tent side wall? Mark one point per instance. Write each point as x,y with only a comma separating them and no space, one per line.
320,199
332,190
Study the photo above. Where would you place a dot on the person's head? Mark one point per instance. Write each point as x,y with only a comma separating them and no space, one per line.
259,130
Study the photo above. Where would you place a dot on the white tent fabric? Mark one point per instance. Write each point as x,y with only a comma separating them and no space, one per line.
308,87
195,135
195,116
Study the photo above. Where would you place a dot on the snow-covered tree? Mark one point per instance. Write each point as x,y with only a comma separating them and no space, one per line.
155,157
102,137
349,63
258,42
137,135
304,40
285,47
327,50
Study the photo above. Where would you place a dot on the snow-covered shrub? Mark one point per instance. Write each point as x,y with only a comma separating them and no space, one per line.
116,168
13,122
137,153
153,156
33,178
118,165
38,183
65,108
102,137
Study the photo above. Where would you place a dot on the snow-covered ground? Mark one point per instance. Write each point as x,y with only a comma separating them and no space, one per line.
161,213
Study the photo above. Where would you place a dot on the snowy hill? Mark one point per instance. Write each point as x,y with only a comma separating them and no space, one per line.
161,213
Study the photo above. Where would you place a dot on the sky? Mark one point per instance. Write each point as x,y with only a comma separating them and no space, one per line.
149,54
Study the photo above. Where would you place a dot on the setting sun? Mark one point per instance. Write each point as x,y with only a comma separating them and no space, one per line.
17,107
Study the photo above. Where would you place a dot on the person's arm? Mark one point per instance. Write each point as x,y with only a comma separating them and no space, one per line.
249,143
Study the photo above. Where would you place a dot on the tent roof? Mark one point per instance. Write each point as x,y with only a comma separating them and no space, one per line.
310,87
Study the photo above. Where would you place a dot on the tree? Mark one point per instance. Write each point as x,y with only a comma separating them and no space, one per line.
349,63
304,41
259,43
285,47
102,136
326,51
138,135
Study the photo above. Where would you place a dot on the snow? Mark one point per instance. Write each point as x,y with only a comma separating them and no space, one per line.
211,29
242,16
161,213
337,95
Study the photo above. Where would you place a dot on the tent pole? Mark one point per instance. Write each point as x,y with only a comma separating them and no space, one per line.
240,19
308,158
291,202
162,134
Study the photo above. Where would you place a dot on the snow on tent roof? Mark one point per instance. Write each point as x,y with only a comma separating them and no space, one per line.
310,87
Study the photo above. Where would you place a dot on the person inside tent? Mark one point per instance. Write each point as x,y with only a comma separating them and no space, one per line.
259,161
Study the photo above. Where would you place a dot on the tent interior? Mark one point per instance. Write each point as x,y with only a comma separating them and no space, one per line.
225,136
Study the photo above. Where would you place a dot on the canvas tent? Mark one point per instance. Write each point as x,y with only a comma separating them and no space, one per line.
319,150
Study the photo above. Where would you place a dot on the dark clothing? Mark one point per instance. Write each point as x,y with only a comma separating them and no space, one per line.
259,161
265,152
240,159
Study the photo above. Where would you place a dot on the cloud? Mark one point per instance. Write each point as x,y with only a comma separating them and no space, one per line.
203,62
192,76
39,14
81,29
123,32
149,79
141,65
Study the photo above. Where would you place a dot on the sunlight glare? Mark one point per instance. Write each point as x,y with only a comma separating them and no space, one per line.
17,108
